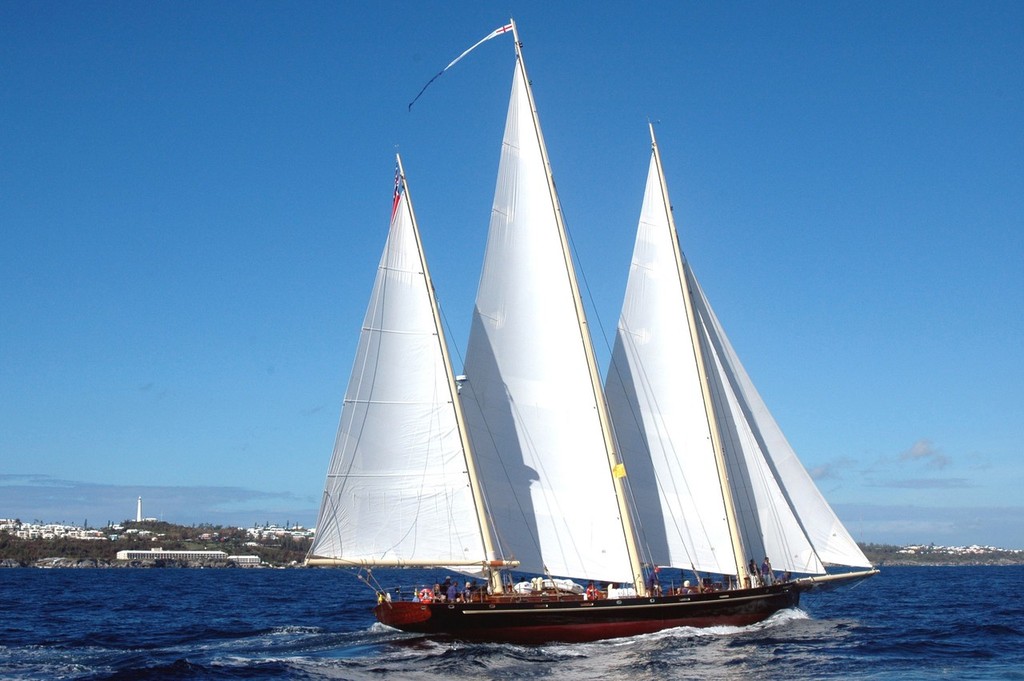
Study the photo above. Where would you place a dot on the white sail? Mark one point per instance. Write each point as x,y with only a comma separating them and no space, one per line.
529,399
666,428
766,522
397,487
657,405
797,500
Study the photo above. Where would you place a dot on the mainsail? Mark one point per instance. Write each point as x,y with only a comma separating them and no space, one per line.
398,488
532,397
668,425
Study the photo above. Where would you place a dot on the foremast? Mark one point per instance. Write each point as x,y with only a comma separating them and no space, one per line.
709,407
615,466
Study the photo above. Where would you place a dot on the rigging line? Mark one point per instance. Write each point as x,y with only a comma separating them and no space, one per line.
736,465
721,351
458,396
448,333
646,554
368,578
733,375
519,420
494,445
729,380
455,536
377,307
374,338
328,500
649,557
429,460
419,501
638,422
581,273
550,501
375,333
627,337
684,531
366,373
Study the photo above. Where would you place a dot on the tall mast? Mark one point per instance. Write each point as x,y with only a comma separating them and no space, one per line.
709,408
616,468
493,560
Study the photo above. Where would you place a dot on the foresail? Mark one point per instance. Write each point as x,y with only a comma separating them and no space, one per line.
529,399
657,406
782,514
397,488
773,469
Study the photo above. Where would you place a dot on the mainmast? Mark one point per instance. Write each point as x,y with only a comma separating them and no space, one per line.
709,408
616,468
493,560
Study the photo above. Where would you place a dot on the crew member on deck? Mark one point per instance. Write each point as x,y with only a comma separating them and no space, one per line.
452,591
767,575
653,585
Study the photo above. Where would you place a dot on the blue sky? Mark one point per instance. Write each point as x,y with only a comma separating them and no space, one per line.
193,199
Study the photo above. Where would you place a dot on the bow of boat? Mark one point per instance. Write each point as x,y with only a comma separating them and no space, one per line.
827,582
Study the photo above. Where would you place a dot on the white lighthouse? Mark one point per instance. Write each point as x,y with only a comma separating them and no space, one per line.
138,511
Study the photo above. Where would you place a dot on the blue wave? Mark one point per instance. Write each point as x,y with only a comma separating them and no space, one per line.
915,623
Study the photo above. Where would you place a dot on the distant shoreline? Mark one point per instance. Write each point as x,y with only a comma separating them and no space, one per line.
1008,563
270,546
89,564
882,555
92,564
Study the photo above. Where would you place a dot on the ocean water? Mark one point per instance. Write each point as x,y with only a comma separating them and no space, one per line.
907,623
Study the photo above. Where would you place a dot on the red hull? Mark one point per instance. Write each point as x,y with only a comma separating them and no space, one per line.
540,619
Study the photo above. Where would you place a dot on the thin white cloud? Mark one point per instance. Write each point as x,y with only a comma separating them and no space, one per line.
958,526
41,497
923,450
834,470
926,483
823,472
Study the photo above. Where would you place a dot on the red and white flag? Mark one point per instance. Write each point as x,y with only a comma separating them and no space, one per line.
399,187
493,34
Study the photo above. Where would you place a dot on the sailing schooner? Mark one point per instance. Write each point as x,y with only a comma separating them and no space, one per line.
519,467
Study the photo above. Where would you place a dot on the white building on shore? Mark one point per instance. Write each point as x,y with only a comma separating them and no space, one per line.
161,554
